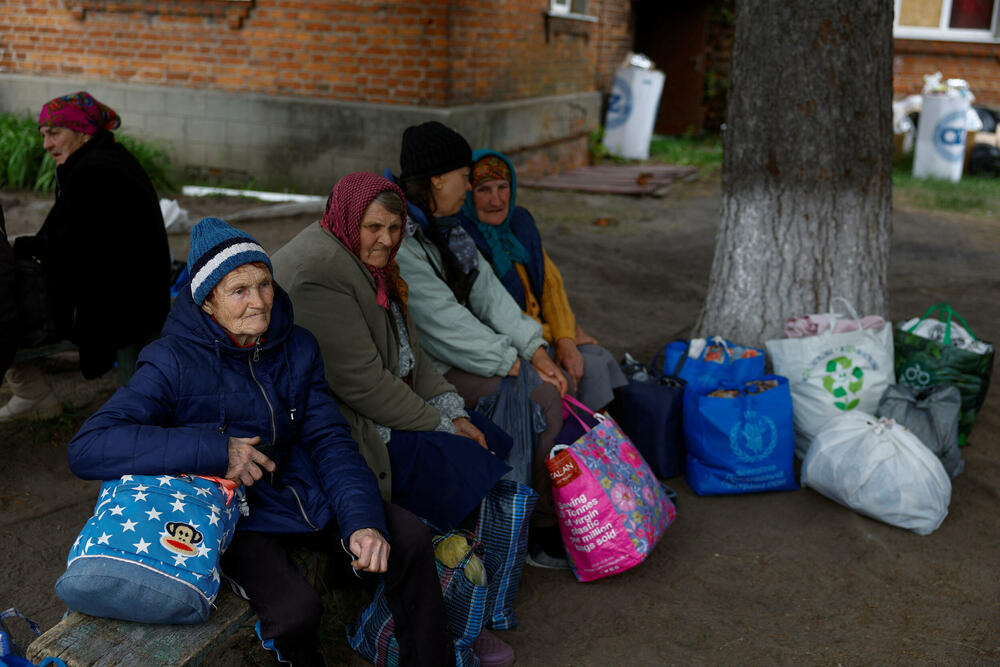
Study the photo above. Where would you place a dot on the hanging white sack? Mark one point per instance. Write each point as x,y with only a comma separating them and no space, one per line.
880,469
832,373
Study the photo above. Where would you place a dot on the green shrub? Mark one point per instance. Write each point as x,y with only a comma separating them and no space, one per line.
24,164
21,152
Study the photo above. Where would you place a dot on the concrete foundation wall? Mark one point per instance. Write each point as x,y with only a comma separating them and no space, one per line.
306,145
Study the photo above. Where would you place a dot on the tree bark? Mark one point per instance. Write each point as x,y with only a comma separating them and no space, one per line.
807,168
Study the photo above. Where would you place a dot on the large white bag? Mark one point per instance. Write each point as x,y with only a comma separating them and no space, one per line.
832,373
880,469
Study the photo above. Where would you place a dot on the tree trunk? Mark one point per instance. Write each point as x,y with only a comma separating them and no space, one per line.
807,170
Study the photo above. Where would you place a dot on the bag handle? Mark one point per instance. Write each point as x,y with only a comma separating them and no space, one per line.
7,645
659,359
944,307
717,340
850,311
571,404
228,486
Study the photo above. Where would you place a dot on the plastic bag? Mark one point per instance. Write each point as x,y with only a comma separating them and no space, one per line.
706,363
922,362
740,438
510,407
175,218
932,415
831,373
880,469
612,509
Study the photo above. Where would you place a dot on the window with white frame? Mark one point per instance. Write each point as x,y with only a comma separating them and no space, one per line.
947,20
568,7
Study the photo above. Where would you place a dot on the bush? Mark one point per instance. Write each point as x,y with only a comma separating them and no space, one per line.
24,164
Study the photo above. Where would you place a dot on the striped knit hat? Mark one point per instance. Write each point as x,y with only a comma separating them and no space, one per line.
216,249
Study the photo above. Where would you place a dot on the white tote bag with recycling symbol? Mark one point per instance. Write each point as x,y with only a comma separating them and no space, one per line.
833,373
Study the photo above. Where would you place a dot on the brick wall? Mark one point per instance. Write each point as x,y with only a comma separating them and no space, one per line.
503,51
615,39
421,52
979,64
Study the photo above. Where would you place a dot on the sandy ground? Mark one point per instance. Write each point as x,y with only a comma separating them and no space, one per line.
788,578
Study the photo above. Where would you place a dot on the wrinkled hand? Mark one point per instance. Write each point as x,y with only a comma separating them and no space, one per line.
548,371
466,428
371,550
570,359
515,368
245,462
584,338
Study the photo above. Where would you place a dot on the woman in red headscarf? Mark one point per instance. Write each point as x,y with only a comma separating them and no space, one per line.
103,249
429,454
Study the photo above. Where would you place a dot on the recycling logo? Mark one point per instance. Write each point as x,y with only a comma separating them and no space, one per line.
843,381
915,376
754,437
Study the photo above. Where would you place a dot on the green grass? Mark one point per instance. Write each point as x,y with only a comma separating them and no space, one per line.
703,152
972,195
24,164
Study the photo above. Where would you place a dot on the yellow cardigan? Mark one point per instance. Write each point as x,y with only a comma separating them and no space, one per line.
554,313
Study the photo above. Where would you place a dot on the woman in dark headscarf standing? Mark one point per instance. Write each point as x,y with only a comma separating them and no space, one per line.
103,248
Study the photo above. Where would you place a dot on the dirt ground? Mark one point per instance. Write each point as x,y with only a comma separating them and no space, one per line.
786,578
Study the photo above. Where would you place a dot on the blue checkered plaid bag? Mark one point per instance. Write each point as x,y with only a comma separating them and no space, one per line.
373,635
503,530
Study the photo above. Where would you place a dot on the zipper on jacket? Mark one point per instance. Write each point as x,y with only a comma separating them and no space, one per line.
274,435
241,495
302,509
270,408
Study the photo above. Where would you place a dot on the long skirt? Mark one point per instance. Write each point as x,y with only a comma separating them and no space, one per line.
601,376
442,477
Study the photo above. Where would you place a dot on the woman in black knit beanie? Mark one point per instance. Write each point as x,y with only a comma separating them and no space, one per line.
468,322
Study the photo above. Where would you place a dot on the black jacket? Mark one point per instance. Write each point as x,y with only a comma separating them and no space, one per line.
105,254
8,302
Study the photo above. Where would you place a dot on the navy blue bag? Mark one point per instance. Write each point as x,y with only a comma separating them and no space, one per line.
650,409
718,362
740,438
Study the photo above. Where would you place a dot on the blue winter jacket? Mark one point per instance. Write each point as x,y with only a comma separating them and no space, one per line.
194,388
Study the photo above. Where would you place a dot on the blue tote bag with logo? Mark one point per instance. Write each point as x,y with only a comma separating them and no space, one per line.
740,438
710,362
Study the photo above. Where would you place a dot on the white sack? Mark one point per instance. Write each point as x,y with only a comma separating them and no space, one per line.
880,469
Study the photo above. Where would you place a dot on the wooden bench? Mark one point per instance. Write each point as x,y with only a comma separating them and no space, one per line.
87,641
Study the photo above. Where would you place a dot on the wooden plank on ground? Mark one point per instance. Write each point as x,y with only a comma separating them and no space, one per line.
87,641
614,179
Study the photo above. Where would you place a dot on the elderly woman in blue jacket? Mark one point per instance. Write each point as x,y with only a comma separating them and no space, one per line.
235,389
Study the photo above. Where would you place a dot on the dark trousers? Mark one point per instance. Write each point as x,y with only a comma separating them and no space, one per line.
473,387
289,608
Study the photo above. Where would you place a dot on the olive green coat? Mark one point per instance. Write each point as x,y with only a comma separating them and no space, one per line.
333,295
